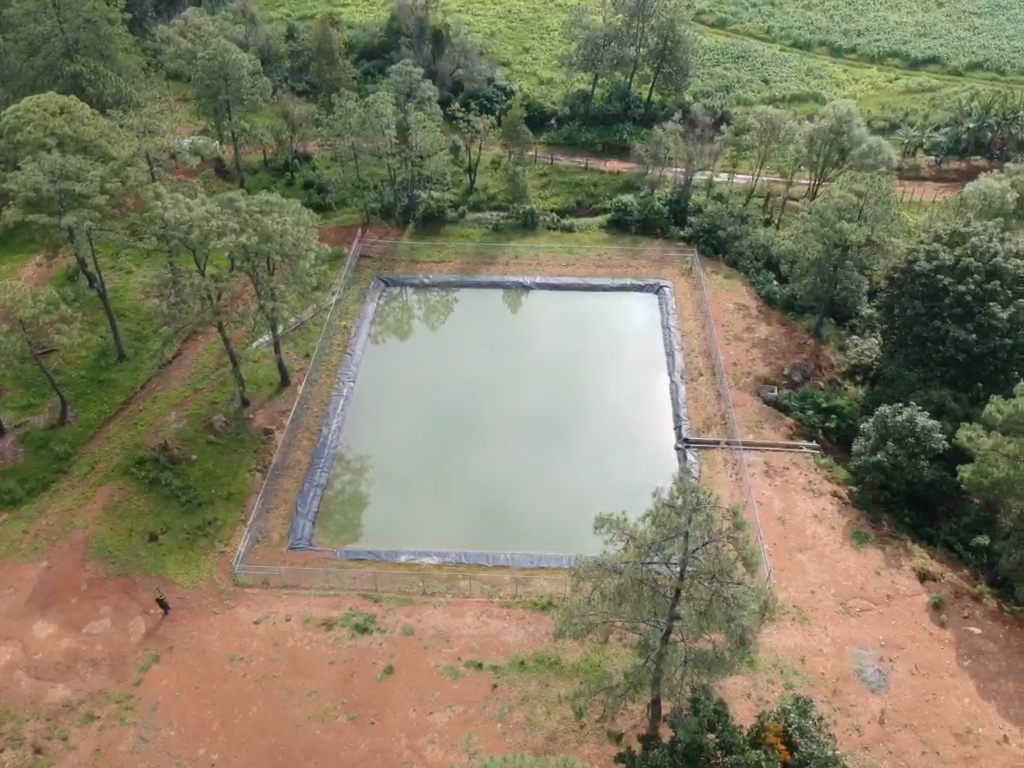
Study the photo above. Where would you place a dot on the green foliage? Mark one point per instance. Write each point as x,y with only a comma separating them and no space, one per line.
156,472
950,318
832,413
73,47
836,141
794,734
996,475
991,197
668,582
847,234
895,452
643,214
917,34
273,242
34,323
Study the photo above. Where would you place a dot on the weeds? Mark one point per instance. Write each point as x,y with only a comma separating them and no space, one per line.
861,538
358,623
936,601
388,671
147,664
452,672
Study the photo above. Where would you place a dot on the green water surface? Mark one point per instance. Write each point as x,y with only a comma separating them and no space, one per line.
501,421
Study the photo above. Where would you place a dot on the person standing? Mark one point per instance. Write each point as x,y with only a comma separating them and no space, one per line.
162,602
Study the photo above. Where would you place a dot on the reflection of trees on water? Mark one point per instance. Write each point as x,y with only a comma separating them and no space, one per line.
340,519
513,298
400,309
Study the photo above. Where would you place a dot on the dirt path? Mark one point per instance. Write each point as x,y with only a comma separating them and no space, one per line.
919,190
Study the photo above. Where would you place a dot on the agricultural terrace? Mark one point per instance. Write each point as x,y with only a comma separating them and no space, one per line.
957,36
755,65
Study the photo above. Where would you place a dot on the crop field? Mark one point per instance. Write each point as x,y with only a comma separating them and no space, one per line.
738,59
954,36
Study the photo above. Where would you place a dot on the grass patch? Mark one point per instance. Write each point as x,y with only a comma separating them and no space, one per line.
861,538
164,514
152,657
408,630
358,623
452,672
388,671
95,383
539,603
936,601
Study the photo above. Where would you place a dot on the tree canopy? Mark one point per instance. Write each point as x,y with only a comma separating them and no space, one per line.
677,585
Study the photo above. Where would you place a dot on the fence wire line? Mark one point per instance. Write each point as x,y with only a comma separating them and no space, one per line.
722,378
421,581
445,581
266,490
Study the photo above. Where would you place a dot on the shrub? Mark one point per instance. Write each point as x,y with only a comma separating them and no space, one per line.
720,229
704,735
644,214
158,474
322,191
895,451
11,493
435,208
832,413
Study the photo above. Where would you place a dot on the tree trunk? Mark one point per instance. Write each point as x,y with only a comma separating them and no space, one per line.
62,418
654,80
282,369
3,428
362,185
782,206
108,309
236,366
819,323
473,168
593,91
236,144
754,180
654,705
150,166
80,260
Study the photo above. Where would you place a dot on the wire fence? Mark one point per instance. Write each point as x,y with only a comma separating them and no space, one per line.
285,448
287,468
745,490
426,580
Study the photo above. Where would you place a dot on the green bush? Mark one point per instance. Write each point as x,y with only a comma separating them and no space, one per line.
643,214
832,413
895,451
720,229
158,474
704,735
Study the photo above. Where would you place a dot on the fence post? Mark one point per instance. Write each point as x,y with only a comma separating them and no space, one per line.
376,586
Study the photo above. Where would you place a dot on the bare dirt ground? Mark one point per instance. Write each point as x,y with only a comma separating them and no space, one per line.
91,676
956,693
